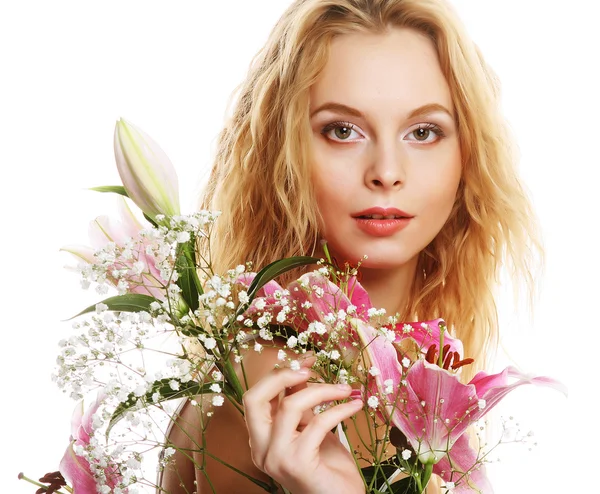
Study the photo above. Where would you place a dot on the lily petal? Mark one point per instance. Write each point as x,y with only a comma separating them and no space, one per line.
76,470
435,410
462,467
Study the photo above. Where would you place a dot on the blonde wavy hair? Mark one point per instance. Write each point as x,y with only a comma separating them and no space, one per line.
261,175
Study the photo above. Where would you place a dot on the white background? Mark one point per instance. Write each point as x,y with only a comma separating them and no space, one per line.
69,69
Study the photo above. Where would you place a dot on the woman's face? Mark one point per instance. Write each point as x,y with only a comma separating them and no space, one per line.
386,162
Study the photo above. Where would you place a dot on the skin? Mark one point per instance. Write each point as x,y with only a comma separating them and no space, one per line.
384,160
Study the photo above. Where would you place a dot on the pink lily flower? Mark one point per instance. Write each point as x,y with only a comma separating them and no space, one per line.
323,297
142,274
76,469
146,171
432,408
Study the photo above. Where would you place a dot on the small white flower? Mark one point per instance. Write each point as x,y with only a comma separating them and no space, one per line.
210,343
292,342
218,400
174,385
295,365
168,452
406,362
216,375
406,454
481,404
343,376
374,371
281,355
215,388
373,402
317,327
389,386
258,347
243,297
334,355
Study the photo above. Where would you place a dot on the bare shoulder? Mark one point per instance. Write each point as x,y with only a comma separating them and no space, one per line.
202,462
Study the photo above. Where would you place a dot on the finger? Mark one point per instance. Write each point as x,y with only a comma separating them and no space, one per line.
314,433
258,404
306,362
292,408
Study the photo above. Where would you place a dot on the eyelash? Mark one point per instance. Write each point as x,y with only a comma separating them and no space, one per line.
427,126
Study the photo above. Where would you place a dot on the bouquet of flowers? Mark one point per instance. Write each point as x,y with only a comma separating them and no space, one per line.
175,329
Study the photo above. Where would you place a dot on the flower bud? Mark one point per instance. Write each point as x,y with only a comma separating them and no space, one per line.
146,172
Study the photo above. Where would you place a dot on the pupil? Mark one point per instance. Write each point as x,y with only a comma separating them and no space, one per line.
342,132
422,134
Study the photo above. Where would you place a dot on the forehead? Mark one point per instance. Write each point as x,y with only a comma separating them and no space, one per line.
398,69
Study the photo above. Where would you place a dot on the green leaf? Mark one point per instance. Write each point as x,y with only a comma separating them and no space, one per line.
277,268
130,302
187,389
188,279
117,189
150,220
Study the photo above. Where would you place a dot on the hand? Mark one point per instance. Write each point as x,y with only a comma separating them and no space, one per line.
293,445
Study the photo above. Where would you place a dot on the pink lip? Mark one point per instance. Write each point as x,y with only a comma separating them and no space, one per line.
382,227
382,212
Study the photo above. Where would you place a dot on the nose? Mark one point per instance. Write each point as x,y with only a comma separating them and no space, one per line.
386,169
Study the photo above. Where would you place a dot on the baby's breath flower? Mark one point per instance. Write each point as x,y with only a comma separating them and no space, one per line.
218,400
373,402
374,371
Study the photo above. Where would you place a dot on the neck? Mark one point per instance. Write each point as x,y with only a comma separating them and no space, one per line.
389,288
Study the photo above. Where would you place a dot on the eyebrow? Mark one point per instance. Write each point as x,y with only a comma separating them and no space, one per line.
348,110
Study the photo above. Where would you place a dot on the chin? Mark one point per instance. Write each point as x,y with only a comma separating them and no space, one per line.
382,258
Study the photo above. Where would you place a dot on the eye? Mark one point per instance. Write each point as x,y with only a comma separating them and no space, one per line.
341,131
424,132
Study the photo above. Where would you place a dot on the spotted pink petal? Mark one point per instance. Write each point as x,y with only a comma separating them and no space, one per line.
265,294
324,296
381,354
434,410
76,470
359,298
493,387
461,467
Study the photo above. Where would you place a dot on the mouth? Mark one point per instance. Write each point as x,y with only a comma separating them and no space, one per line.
379,213
381,217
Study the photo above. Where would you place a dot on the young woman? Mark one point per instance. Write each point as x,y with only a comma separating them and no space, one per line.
373,125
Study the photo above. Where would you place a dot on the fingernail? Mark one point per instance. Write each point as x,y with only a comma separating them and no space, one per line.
344,387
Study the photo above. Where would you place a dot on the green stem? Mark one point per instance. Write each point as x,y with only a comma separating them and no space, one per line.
426,475
233,379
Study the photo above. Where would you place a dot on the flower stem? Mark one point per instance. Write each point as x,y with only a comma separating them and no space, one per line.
426,475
